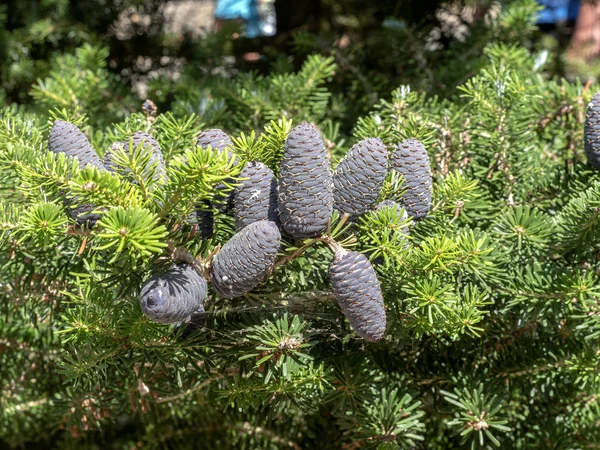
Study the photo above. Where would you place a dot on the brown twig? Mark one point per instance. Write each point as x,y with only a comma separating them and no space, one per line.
183,255
187,392
296,253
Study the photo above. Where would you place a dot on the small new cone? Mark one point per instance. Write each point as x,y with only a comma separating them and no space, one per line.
305,189
359,177
412,161
245,259
256,196
591,133
173,296
356,287
219,140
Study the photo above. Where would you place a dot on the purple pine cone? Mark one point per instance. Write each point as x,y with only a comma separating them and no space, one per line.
591,133
219,140
359,177
138,139
398,209
192,323
245,259
412,161
216,139
68,139
305,191
357,289
174,295
203,218
255,198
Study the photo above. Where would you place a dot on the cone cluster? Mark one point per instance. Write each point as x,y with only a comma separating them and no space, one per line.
173,296
299,203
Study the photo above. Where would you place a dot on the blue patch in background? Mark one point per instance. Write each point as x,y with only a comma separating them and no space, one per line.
558,11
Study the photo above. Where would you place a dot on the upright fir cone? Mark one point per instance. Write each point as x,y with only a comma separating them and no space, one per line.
399,210
203,218
138,139
591,133
356,287
255,198
218,139
359,177
305,190
400,213
245,259
174,295
66,138
412,161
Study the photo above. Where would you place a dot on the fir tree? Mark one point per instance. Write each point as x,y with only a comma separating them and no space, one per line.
490,299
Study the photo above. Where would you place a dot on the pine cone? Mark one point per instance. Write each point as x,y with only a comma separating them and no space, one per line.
68,139
357,290
203,218
412,161
305,191
256,197
399,211
592,132
245,259
192,323
359,177
218,139
83,216
138,139
174,295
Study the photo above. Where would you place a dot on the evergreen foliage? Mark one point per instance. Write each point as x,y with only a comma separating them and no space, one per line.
490,299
